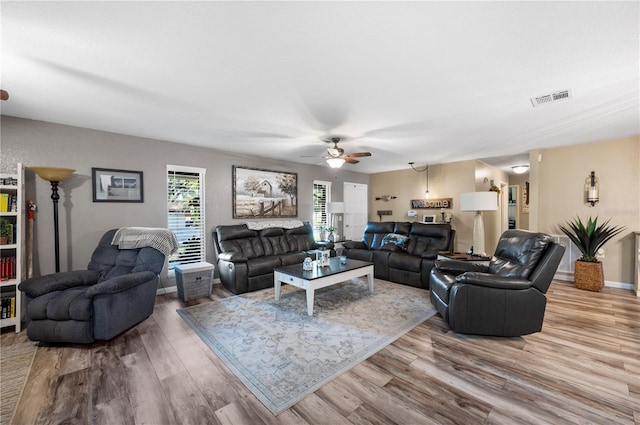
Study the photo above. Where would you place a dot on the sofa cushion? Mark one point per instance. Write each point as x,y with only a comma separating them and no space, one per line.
518,253
426,240
238,238
374,232
273,241
262,265
300,238
70,304
404,261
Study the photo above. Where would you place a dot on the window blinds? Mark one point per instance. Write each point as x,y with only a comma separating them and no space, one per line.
320,215
185,213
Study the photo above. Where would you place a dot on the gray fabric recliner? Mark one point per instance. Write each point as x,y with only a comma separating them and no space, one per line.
116,292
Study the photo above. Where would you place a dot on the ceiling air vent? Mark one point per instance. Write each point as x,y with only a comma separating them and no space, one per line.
545,99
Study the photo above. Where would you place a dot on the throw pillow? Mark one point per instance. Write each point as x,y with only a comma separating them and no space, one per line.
395,239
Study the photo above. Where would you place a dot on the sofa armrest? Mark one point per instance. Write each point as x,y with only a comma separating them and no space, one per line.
120,283
457,267
234,257
37,286
493,281
354,244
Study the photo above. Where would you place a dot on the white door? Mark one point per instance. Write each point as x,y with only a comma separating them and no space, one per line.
355,210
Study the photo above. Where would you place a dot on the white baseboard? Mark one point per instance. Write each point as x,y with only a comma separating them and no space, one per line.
167,290
621,285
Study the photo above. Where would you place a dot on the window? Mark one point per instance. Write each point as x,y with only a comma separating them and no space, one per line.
185,213
321,196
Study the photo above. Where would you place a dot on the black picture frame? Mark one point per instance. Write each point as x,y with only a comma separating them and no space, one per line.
111,185
260,193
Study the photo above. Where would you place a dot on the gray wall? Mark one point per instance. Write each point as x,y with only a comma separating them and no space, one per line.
82,222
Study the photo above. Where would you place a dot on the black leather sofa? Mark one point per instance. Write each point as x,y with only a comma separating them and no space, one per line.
409,263
246,258
505,298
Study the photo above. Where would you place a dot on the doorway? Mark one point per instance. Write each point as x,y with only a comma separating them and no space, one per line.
514,200
355,210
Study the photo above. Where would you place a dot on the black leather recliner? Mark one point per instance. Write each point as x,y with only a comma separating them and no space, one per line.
505,298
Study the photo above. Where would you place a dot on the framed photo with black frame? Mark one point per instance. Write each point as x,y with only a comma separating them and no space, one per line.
111,185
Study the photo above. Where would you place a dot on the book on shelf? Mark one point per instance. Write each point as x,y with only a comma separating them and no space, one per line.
7,267
4,202
8,306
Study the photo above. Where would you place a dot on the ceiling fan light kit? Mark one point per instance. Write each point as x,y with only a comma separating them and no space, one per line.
336,156
335,162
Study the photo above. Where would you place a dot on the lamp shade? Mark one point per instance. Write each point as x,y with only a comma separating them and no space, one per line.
335,162
479,201
335,207
52,174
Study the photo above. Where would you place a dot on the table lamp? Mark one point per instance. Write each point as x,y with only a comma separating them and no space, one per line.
54,175
334,208
478,202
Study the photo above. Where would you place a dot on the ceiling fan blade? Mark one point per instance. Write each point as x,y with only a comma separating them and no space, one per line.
358,154
350,160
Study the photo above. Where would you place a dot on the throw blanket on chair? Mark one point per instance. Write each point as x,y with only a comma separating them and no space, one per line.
163,240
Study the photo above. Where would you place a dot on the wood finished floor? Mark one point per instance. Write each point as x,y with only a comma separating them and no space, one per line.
584,367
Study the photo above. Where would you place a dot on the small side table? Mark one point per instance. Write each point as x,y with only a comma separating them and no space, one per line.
477,259
194,280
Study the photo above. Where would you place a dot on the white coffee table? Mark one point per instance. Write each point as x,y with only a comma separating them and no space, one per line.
321,277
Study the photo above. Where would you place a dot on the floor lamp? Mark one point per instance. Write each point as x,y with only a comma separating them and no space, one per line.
54,175
478,202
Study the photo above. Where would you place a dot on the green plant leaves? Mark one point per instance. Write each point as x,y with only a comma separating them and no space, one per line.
590,238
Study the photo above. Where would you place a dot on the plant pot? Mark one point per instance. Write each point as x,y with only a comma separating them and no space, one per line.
588,276
4,240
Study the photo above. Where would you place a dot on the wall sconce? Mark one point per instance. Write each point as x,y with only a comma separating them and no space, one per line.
419,170
592,189
385,198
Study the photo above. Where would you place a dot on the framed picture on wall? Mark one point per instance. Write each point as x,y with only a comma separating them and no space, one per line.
111,185
259,193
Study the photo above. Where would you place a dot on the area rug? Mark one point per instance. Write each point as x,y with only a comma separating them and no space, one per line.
282,355
15,364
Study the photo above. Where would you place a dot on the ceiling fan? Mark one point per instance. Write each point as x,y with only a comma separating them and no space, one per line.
336,156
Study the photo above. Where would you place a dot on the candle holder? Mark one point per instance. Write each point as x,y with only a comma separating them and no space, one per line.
54,175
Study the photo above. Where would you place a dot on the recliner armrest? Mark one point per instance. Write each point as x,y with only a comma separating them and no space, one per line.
234,257
120,283
493,281
40,285
458,267
354,244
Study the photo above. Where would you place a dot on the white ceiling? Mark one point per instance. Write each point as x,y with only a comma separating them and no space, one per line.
429,82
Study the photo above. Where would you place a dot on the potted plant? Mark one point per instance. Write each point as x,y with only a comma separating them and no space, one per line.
6,231
330,229
589,239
